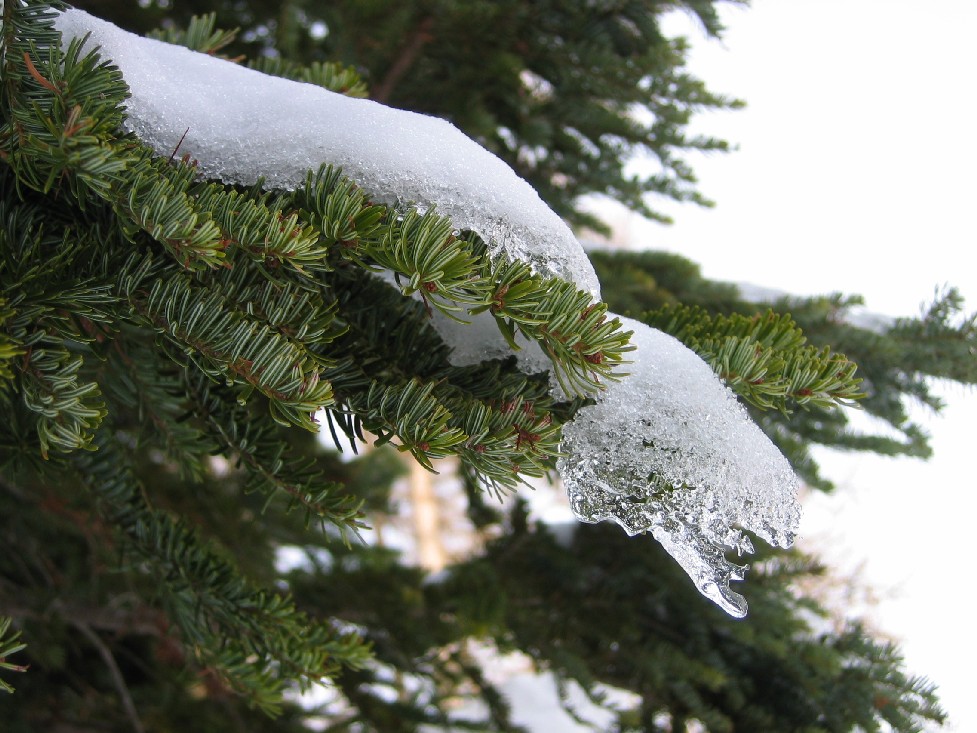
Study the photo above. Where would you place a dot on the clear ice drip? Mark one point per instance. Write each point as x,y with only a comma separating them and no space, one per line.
670,451
241,125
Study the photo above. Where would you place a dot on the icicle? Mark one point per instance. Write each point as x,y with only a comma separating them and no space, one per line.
670,451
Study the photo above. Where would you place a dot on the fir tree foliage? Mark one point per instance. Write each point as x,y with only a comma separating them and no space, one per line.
765,358
10,644
168,345
708,667
565,93
144,304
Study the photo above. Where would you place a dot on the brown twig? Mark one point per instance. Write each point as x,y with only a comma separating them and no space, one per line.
405,59
182,138
117,679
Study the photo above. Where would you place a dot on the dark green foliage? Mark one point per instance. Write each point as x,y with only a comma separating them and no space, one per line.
144,307
782,669
168,346
553,92
764,358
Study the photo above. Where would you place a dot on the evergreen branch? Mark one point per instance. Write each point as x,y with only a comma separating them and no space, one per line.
508,441
10,644
64,136
506,416
256,640
339,209
423,249
450,271
26,27
298,308
330,75
64,110
583,345
224,343
270,464
267,234
52,271
199,35
943,341
410,412
764,359
10,347
49,299
504,442
68,410
153,196
136,381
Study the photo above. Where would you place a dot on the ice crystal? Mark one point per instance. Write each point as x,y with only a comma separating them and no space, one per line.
670,451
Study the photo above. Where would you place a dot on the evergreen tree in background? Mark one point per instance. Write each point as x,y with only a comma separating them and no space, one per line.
164,340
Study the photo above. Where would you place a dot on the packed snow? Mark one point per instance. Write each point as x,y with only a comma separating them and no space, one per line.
242,125
667,451
670,451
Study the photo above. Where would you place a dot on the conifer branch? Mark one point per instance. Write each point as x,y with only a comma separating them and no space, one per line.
584,346
764,359
453,273
329,75
262,230
270,465
10,644
507,418
222,342
135,380
146,312
199,35
256,640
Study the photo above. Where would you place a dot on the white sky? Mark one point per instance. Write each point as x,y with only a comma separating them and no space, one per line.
855,173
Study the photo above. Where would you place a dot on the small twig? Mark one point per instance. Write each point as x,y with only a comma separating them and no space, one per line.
182,138
120,683
409,53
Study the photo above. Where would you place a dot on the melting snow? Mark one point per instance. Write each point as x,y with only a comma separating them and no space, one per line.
670,451
667,451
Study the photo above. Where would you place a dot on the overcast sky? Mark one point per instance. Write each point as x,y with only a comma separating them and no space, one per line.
855,173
